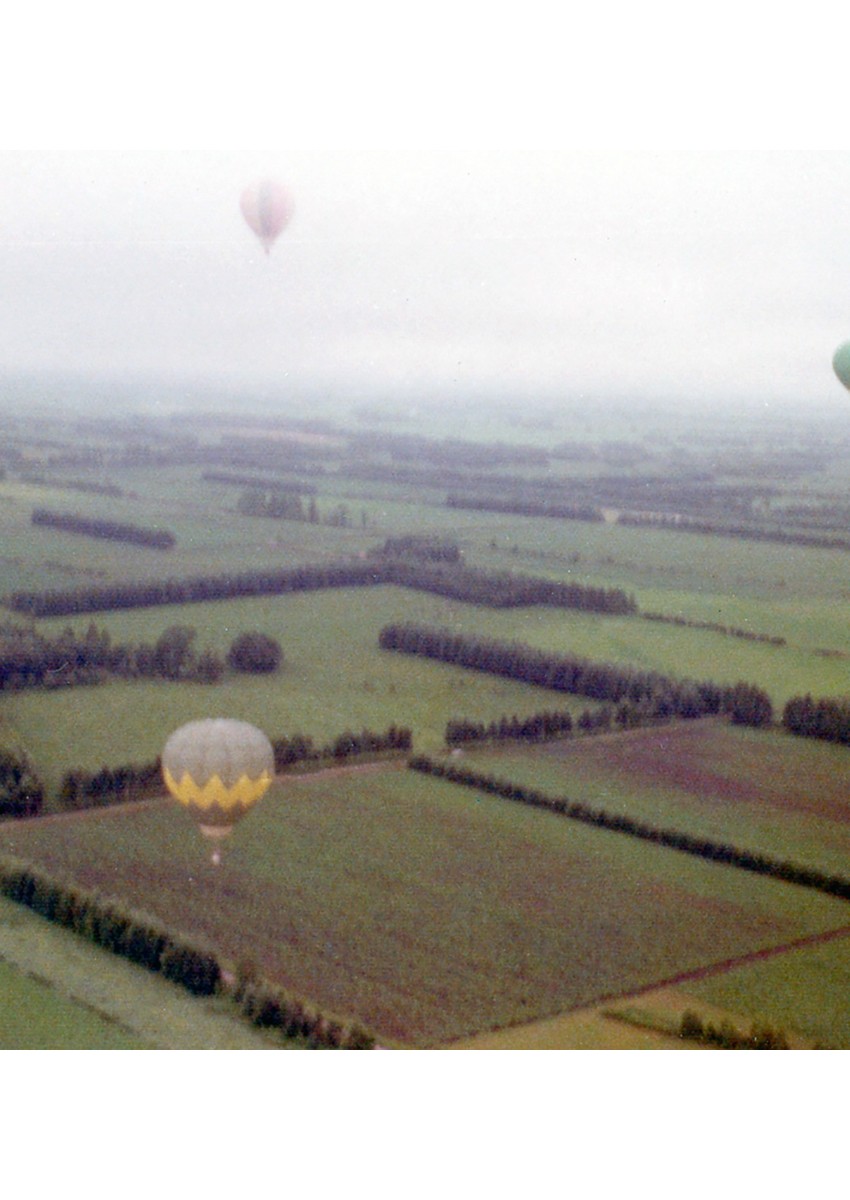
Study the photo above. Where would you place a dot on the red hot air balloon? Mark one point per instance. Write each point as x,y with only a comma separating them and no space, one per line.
268,208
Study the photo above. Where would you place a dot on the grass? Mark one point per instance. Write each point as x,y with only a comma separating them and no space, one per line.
34,1017
427,911
760,790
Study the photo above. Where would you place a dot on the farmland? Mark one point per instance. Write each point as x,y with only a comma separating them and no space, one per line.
483,914
428,912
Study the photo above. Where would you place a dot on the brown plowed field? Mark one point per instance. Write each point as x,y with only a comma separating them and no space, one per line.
717,762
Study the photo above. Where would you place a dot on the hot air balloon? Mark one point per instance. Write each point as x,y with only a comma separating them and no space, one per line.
218,769
841,363
268,209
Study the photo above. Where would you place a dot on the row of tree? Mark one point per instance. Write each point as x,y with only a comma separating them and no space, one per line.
715,627
526,508
108,923
720,852
827,718
158,539
143,940
198,590
753,533
277,505
499,590
31,659
419,547
656,695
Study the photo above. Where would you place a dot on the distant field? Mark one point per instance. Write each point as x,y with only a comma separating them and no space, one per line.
761,790
425,910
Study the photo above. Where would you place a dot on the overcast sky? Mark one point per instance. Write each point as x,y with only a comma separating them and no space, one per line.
448,263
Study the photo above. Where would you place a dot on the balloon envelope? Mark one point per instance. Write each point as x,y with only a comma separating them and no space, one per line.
268,208
218,769
841,363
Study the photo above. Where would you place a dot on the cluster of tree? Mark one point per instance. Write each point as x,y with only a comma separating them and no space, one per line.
261,484
254,654
21,790
500,590
754,533
726,1037
31,659
716,627
278,505
269,1007
420,548
827,718
526,508
158,539
707,848
654,695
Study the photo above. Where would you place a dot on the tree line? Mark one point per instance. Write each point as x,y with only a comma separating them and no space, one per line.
144,940
753,533
716,627
526,508
158,539
707,848
827,718
654,694
452,580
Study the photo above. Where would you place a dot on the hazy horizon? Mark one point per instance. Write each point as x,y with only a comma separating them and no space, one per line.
694,278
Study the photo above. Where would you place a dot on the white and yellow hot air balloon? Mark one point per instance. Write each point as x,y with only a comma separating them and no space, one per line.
217,769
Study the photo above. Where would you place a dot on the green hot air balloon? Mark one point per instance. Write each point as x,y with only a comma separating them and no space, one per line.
217,769
841,363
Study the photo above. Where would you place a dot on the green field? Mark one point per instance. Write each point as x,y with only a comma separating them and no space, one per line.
424,910
760,790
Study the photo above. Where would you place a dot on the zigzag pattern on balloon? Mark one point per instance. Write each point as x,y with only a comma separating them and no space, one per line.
214,793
